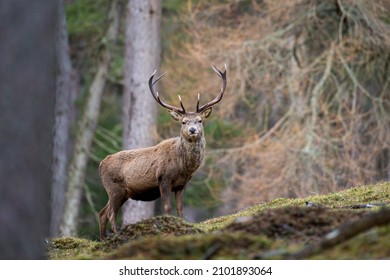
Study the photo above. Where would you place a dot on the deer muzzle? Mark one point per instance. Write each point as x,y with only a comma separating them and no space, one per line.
192,130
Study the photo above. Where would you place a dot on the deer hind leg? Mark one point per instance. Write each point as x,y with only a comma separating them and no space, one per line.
116,201
103,219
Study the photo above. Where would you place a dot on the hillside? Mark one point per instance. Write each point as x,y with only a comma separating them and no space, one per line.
273,230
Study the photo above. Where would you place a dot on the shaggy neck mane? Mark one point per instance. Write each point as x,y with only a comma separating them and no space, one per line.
191,154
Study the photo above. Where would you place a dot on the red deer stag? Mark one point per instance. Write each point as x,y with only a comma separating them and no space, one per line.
148,173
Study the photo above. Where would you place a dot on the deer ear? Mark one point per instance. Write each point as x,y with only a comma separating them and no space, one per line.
175,115
206,113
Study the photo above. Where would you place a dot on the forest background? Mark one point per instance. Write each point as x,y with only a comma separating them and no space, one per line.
307,107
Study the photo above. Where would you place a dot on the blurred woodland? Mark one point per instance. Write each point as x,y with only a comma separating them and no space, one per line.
307,107
27,75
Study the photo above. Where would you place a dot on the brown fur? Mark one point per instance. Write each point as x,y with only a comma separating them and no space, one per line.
148,173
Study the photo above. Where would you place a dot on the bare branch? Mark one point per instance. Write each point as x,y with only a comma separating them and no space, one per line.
345,232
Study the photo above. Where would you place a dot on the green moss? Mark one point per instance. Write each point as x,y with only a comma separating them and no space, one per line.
73,248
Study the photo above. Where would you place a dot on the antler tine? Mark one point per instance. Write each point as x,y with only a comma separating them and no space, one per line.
197,103
222,75
157,97
181,104
159,77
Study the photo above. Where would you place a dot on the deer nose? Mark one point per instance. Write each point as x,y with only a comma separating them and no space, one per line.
192,130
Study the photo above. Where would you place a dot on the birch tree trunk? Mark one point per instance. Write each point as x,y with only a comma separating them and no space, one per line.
63,119
142,54
78,165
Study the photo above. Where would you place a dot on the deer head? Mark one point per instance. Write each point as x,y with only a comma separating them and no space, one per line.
192,128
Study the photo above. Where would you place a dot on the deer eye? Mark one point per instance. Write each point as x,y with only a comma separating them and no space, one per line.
183,122
200,121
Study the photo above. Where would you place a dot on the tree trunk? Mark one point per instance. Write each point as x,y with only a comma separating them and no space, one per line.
63,119
142,56
27,72
78,165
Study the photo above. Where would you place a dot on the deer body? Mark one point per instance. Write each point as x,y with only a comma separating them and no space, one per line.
149,173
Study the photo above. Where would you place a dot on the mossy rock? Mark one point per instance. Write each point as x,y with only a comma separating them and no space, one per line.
156,226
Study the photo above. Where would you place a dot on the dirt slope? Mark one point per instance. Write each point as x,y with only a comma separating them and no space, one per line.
269,230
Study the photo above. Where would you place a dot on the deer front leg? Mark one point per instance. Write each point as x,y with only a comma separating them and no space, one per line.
165,192
179,201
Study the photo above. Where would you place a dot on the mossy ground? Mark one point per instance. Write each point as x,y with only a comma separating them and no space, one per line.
262,230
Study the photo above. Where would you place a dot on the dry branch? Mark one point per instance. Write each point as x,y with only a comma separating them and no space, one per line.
344,233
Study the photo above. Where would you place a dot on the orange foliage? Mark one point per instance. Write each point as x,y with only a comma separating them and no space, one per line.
308,84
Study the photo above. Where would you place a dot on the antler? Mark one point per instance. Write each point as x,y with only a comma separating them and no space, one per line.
222,75
157,97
